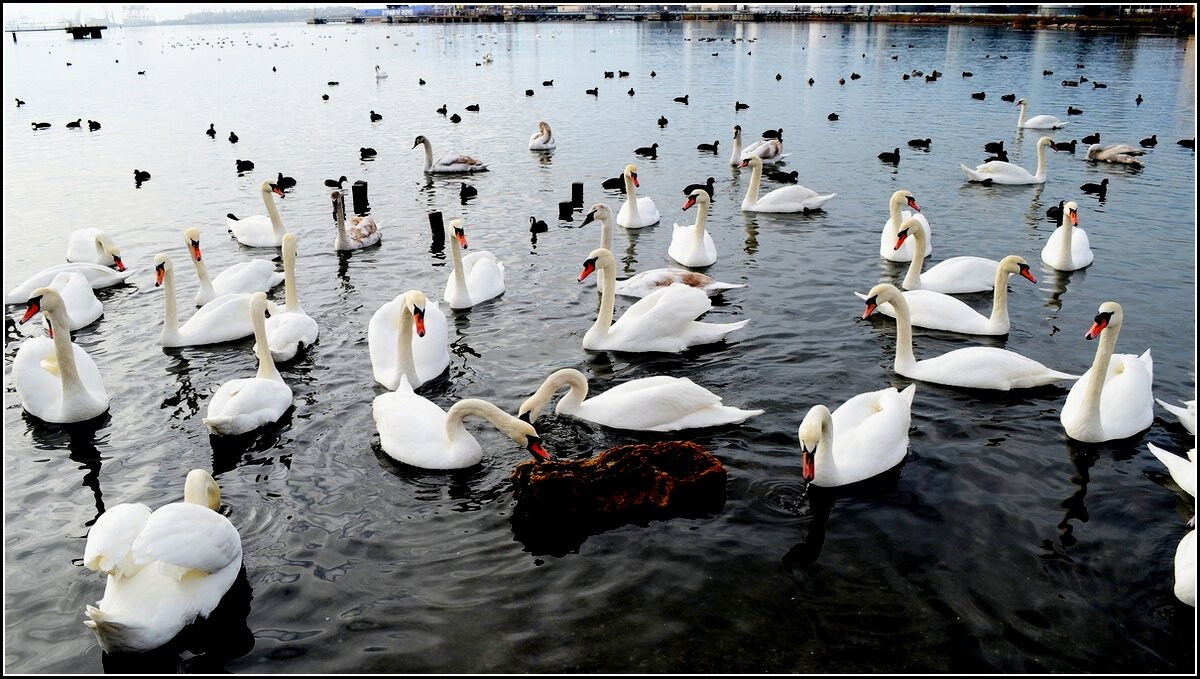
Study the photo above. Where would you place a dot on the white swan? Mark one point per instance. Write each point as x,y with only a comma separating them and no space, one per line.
394,349
476,278
887,239
661,321
165,569
865,436
691,245
1122,154
362,231
79,302
92,246
447,164
543,139
247,403
793,198
415,431
224,319
1042,122
55,378
290,330
1068,248
380,74
972,367
767,150
259,231
1000,172
646,282
97,276
636,212
1186,414
939,311
1182,469
659,403
1113,399
247,277
1185,569
965,273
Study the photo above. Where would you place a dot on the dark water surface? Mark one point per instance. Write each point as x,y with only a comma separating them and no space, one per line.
997,546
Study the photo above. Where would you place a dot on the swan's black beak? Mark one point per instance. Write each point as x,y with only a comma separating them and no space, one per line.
808,466
539,452
1098,325
120,266
591,217
588,268
35,305
419,320
1026,273
416,142
900,238
912,202
159,272
872,304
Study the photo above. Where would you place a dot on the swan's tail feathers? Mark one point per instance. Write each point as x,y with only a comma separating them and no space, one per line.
726,328
218,423
743,415
718,286
110,633
971,174
909,391
1145,358
816,202
1062,376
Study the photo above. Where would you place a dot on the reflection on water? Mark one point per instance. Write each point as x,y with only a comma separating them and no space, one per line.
81,438
1058,281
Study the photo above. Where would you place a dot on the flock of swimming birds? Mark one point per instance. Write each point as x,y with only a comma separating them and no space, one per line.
167,567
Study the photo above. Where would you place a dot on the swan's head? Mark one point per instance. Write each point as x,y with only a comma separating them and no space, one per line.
201,489
1046,141
599,211
1020,102
456,228
1093,151
903,197
737,131
258,305
1109,316
267,188
700,195
419,140
1070,210
752,161
810,433
598,258
1017,264
192,238
911,227
631,172
881,294
416,301
162,265
111,249
288,243
528,438
46,300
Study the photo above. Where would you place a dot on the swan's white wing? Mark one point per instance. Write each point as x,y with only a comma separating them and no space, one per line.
98,277
1185,569
1183,470
412,430
109,546
287,332
252,276
1186,414
225,318
246,404
485,276
190,536
871,432
648,403
985,368
671,304
961,274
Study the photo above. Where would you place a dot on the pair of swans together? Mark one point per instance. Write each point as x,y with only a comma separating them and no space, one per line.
266,231
767,150
90,253
1001,172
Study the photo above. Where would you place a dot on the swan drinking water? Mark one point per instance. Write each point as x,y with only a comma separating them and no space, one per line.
1113,399
259,231
395,352
794,198
55,378
93,246
661,321
1068,248
1001,172
865,436
691,245
449,164
972,367
636,212
476,278
896,216
543,139
245,404
165,568
658,403
245,277
1042,122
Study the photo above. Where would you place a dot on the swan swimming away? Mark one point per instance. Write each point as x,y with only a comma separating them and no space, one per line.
56,380
97,276
636,212
659,403
864,437
362,231
661,321
1042,122
794,198
1001,172
476,278
1113,399
1068,248
971,367
92,246
245,404
691,244
244,277
646,282
896,216
543,139
955,275
291,330
164,568
225,319
259,231
449,164
395,352
413,430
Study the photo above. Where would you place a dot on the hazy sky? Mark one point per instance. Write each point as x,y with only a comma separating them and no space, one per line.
26,12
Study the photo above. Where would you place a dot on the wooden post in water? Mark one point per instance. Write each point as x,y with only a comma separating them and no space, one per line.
358,191
437,229
577,194
564,210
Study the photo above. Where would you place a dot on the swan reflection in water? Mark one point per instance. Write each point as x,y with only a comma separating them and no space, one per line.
185,402
81,439
1056,284
203,647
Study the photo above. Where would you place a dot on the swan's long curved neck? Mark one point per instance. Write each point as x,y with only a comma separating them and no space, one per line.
428,155
289,281
206,287
276,220
1040,175
64,355
698,228
631,200
170,331
339,218
1090,405
404,339
569,404
1021,117
904,348
894,213
1068,233
266,365
912,279
755,180
460,276
481,408
1000,296
606,231
736,158
823,458
604,318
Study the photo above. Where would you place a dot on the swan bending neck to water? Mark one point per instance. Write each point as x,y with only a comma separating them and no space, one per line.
1113,399
1001,172
56,379
93,246
864,437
